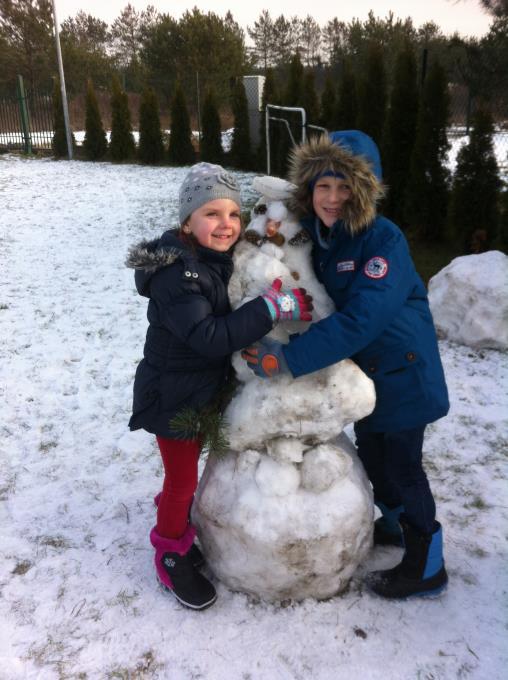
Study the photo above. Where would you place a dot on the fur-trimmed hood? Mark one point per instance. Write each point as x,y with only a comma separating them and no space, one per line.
351,153
148,256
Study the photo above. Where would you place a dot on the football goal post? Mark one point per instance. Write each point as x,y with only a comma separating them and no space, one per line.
292,121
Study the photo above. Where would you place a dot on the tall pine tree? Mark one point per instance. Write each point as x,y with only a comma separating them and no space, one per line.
293,94
372,94
400,131
180,150
502,232
121,144
328,97
95,144
427,192
269,96
211,138
240,147
474,201
151,147
310,100
346,107
59,141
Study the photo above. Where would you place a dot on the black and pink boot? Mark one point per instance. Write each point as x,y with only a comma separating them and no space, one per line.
195,555
176,572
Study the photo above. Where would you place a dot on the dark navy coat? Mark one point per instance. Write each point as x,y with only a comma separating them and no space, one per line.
383,322
192,331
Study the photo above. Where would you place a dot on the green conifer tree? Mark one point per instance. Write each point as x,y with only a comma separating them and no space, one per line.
328,98
240,148
346,107
180,150
211,138
399,135
59,141
372,94
293,94
270,96
151,147
427,191
95,144
121,145
475,195
310,100
501,242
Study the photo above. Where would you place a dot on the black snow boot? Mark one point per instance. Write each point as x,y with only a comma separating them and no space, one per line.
176,572
421,572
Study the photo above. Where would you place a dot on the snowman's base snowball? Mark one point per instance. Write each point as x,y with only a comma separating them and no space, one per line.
279,530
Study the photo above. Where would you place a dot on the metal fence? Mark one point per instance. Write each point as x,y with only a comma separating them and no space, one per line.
26,121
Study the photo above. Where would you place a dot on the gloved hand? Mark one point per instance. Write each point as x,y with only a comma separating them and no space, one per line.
292,305
266,358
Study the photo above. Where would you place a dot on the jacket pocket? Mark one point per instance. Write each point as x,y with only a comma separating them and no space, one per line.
397,375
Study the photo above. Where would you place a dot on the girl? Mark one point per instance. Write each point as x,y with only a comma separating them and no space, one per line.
382,322
191,335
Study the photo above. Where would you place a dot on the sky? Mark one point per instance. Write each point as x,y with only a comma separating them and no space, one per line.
464,16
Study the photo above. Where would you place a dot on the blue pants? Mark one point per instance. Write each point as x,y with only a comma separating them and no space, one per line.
393,462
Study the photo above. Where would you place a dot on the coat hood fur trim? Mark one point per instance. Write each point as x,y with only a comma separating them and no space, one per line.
150,256
320,155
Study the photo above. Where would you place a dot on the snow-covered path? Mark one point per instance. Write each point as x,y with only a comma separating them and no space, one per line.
78,591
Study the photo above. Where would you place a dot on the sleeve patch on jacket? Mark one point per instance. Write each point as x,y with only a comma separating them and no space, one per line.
376,268
346,266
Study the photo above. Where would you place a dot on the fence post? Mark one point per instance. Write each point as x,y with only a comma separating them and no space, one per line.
23,112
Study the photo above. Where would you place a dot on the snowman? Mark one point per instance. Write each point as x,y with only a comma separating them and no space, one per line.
287,513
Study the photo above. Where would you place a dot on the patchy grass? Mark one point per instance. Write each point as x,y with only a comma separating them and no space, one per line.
21,568
430,258
477,503
47,446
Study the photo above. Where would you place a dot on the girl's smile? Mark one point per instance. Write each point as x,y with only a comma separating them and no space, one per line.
215,224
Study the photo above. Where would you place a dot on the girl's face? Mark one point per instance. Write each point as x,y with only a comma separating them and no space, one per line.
215,224
328,199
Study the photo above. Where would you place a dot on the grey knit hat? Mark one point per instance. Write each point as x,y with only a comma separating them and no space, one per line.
206,182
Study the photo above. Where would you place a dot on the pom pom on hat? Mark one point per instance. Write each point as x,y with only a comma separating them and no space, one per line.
206,182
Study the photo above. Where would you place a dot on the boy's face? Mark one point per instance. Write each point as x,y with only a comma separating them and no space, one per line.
328,199
215,224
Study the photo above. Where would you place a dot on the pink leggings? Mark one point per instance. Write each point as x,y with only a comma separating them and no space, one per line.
180,460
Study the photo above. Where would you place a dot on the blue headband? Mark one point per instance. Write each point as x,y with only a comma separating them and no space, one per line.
328,173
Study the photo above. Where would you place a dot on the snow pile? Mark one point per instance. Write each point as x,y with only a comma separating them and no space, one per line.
287,514
280,530
469,300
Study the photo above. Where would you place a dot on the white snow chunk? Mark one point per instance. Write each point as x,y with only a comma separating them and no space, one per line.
285,449
469,300
273,188
276,479
306,544
324,466
314,407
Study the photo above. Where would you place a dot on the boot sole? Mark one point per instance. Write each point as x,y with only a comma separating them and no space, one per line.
189,605
431,593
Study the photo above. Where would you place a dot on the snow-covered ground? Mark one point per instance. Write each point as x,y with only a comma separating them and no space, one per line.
78,592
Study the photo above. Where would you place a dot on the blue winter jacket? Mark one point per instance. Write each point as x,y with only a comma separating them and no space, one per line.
383,323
